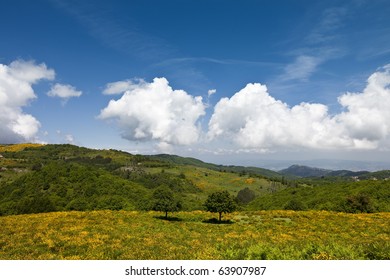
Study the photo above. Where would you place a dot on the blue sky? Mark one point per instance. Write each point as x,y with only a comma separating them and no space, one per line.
224,81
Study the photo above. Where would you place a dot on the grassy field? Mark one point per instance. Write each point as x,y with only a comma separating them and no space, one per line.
193,235
209,181
18,147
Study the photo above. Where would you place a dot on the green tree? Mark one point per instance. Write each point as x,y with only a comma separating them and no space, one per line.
164,200
220,202
245,196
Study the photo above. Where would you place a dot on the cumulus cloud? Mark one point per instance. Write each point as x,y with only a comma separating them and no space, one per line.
64,91
256,120
16,80
155,112
367,114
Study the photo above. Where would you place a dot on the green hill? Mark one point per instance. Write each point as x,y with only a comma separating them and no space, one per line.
177,160
362,196
47,178
304,171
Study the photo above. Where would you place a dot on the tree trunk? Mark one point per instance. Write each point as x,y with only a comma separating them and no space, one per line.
220,216
166,214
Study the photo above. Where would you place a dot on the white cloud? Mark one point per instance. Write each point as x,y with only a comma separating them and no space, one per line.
368,113
30,72
255,120
156,112
211,92
122,86
69,138
302,68
16,80
64,91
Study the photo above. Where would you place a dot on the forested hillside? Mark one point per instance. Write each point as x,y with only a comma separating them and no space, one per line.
48,178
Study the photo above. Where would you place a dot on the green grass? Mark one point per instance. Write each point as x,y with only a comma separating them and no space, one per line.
210,180
192,235
18,147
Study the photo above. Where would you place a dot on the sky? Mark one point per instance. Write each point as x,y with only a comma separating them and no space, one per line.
233,82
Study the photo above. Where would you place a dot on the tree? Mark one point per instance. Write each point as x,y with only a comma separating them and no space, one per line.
165,201
220,202
245,196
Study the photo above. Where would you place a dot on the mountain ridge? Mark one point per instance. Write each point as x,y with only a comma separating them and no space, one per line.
303,171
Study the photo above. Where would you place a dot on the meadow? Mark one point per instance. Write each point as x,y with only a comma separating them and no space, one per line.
274,234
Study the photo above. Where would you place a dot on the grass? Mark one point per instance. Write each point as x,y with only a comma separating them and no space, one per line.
210,180
188,235
18,147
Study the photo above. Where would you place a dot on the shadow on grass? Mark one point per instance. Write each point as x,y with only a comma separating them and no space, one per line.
217,222
171,219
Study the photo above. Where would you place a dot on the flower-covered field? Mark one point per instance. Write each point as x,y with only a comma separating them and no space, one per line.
195,235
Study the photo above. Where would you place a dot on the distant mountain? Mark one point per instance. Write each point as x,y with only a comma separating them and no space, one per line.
330,164
305,171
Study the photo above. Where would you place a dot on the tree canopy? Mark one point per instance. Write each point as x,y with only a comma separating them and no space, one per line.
220,202
164,200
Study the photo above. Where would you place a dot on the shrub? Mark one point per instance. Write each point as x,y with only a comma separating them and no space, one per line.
359,203
295,205
245,196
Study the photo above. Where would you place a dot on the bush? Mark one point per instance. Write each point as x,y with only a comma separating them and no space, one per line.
295,205
78,204
35,204
360,203
245,196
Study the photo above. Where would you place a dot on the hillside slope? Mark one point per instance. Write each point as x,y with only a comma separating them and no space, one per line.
46,178
177,160
362,196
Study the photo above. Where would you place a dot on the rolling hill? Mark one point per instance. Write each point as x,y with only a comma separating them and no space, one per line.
304,171
47,178
229,168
